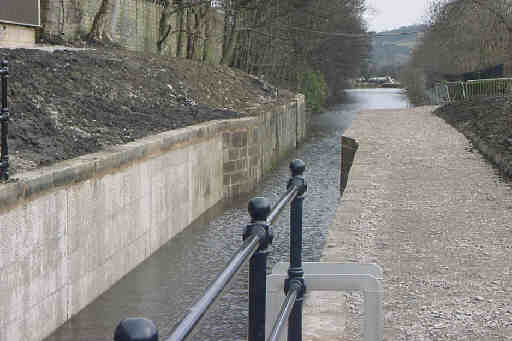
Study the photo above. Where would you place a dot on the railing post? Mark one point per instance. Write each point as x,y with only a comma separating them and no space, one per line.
4,119
259,209
295,272
136,329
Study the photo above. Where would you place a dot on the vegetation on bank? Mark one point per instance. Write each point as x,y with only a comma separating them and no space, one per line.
314,87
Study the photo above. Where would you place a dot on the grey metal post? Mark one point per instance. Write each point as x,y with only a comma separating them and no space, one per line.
4,119
295,272
259,209
136,329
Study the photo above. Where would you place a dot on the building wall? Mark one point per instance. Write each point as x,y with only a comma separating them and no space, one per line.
71,231
16,34
23,12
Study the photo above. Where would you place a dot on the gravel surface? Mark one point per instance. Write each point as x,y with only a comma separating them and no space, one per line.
437,217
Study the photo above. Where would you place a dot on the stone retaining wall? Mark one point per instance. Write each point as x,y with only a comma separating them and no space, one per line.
70,231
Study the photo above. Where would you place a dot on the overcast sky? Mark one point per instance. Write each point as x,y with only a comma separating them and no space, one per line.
389,14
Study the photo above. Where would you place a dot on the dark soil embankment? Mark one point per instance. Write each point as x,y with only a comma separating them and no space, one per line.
69,103
487,122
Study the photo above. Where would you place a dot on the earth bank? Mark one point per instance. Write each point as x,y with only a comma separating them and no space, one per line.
487,122
73,102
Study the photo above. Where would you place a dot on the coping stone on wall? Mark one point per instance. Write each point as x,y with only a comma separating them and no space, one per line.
82,168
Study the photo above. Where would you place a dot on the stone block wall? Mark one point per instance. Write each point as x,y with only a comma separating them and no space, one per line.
70,231
134,24
253,147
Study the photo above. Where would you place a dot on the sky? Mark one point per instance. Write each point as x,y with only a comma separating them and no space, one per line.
390,14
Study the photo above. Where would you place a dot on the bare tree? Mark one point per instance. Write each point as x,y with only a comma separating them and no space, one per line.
285,39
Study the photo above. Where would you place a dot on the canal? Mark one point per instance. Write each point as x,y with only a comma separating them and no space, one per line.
166,284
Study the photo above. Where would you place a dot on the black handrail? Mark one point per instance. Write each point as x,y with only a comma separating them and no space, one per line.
257,238
284,314
4,119
183,329
290,194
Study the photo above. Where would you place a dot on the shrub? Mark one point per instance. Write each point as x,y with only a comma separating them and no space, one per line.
414,81
312,84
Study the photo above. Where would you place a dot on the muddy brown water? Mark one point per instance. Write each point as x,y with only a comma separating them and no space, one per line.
167,283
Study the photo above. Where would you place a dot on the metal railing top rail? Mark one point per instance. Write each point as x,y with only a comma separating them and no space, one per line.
185,327
455,83
257,237
297,168
284,314
290,194
488,80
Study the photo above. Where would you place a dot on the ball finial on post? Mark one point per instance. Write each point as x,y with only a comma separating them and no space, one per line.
259,209
136,329
297,167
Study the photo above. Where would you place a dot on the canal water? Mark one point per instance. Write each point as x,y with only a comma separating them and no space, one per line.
167,283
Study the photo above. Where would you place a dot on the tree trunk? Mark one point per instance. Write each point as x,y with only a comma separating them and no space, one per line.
164,28
227,55
180,39
207,44
196,35
189,47
98,32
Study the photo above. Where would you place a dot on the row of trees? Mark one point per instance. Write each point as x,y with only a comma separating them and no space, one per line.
289,42
293,41
463,36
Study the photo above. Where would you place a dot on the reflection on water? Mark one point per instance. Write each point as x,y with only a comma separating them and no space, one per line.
339,118
378,98
167,283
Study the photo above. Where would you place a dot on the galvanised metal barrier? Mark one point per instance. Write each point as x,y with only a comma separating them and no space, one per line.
437,95
4,119
257,237
488,87
455,91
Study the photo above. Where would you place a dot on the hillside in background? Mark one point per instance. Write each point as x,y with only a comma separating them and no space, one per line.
392,49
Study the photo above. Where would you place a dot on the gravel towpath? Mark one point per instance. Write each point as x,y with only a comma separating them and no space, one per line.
438,219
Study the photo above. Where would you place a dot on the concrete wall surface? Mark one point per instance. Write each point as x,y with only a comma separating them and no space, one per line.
70,231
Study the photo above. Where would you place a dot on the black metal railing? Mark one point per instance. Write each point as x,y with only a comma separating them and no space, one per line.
4,119
257,238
